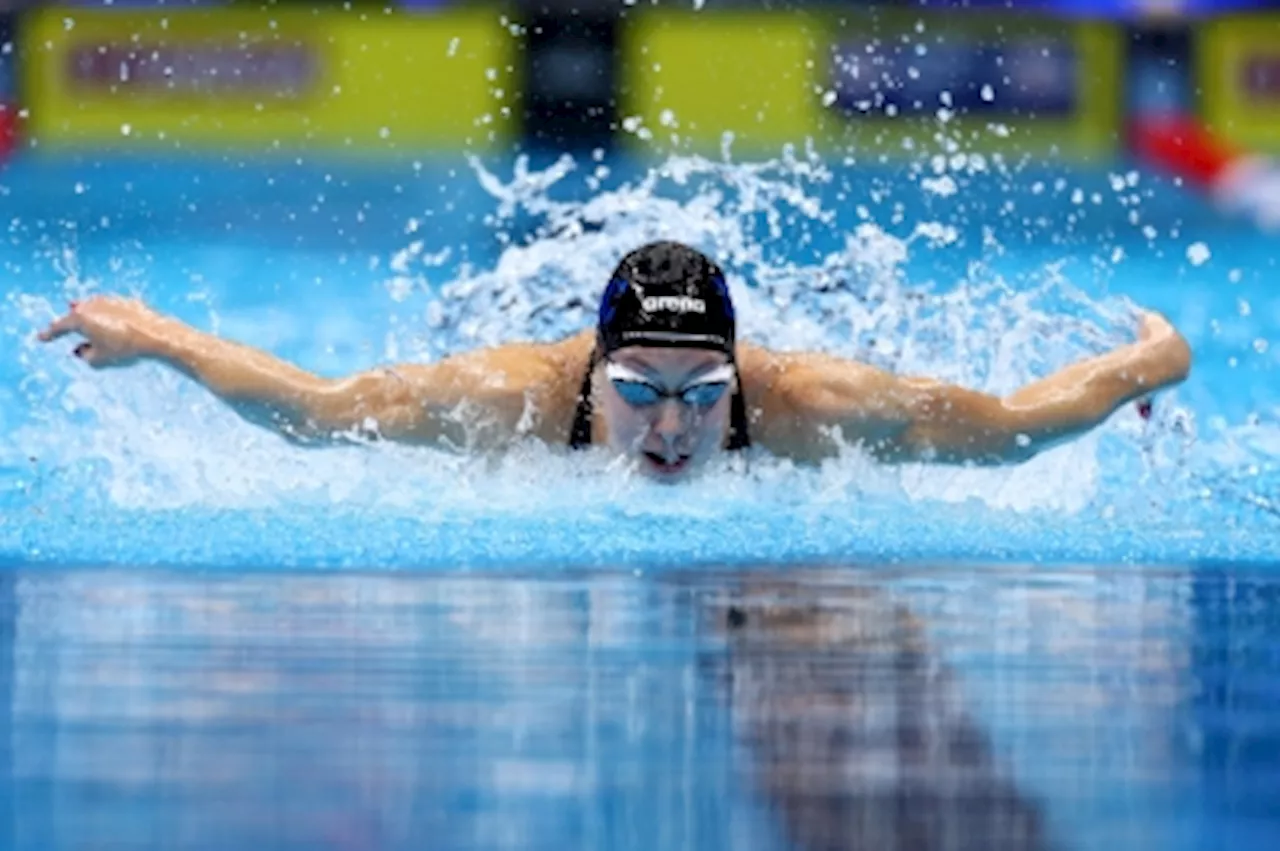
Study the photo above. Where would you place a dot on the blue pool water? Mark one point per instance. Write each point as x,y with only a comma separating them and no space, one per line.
212,639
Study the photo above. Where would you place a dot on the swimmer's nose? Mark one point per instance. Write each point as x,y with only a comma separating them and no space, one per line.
670,422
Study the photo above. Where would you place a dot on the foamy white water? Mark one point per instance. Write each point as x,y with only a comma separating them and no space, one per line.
147,440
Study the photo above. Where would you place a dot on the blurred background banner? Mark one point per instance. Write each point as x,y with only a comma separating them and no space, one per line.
1239,77
883,80
286,77
902,78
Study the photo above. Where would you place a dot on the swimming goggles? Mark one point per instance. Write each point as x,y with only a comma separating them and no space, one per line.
639,392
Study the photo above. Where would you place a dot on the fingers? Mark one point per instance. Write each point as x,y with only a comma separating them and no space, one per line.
61,326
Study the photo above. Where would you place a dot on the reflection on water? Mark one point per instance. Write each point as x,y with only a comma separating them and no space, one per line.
956,709
856,729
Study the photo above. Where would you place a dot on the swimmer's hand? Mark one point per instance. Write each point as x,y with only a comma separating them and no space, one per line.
262,388
116,331
1155,328
1167,349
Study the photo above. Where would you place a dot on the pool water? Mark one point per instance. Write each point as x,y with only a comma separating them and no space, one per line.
213,639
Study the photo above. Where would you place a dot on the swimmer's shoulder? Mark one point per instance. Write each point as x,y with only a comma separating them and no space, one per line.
778,387
516,364
549,375
765,376
538,380
560,369
774,371
570,356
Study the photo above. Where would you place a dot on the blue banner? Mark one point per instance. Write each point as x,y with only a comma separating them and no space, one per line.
1028,76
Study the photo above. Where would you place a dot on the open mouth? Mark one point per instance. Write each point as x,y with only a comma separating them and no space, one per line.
662,465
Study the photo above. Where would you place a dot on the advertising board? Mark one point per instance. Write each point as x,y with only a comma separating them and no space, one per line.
1238,68
267,78
882,81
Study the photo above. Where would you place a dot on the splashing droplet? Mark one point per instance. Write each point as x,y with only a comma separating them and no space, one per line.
1198,254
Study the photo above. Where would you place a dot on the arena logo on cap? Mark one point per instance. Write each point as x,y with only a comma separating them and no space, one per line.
673,304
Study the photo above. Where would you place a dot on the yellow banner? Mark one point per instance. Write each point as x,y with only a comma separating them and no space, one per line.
264,79
1239,71
879,82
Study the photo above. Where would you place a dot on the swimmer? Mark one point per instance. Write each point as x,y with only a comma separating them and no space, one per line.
662,379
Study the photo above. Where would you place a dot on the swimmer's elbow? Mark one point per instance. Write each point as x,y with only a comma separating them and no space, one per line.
1011,437
429,405
425,406
287,419
390,404
1015,435
322,411
368,405
974,429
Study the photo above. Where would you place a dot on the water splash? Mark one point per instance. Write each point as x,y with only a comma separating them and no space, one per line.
803,278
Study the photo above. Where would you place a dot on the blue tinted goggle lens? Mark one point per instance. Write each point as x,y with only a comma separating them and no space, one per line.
636,393
641,394
704,395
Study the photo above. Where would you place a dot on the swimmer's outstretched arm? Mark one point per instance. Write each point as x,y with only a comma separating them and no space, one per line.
481,399
921,419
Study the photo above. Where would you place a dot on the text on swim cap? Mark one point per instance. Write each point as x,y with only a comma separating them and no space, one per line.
673,304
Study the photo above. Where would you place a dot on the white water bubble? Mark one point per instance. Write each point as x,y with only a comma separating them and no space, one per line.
944,186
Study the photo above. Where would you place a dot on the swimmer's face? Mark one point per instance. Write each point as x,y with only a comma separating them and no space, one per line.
670,408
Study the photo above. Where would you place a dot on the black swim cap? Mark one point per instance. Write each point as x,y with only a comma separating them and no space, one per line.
666,294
